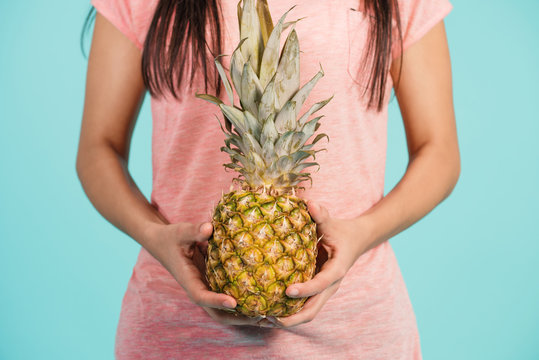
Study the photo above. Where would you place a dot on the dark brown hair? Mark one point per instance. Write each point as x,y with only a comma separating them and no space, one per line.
165,59
379,44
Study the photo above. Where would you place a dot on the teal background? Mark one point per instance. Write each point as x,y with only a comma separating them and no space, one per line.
471,266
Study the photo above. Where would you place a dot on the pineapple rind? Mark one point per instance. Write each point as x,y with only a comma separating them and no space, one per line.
261,244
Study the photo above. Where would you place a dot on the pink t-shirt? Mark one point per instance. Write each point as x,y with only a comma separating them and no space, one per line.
370,317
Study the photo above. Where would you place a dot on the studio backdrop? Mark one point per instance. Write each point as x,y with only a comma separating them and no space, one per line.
471,266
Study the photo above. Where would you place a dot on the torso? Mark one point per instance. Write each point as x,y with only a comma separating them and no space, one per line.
371,310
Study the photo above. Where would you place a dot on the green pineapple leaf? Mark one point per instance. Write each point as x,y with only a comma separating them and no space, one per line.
268,103
236,68
286,118
270,57
222,74
303,93
251,90
266,24
250,29
319,105
210,98
287,75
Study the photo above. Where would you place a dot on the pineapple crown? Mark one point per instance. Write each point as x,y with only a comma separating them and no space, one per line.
267,141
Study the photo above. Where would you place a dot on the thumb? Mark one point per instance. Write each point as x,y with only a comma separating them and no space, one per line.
318,212
190,233
204,231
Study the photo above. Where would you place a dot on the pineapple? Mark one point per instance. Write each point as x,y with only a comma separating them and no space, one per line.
264,238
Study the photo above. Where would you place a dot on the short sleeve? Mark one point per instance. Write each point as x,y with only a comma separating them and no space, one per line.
119,13
417,18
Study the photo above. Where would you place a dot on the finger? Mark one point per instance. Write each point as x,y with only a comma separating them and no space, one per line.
205,230
199,293
311,308
195,233
329,274
231,319
318,212
266,323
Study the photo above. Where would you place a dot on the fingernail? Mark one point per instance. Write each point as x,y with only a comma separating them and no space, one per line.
205,227
293,292
229,304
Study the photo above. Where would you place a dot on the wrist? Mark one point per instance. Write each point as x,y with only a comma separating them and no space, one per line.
365,227
150,234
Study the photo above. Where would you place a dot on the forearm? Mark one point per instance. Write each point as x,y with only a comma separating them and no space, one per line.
105,178
430,177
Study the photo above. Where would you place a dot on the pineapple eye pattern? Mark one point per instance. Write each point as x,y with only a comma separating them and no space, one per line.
257,258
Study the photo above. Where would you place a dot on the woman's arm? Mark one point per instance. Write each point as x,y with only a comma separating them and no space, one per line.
426,102
425,98
114,93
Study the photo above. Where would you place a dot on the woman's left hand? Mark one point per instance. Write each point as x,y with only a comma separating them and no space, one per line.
343,241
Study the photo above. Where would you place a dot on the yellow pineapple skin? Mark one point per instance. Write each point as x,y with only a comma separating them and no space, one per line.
261,244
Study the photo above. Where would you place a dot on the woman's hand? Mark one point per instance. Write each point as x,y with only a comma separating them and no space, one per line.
342,242
179,248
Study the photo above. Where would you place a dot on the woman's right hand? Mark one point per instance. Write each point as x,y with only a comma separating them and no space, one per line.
177,248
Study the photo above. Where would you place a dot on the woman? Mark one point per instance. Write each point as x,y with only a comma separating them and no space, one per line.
359,306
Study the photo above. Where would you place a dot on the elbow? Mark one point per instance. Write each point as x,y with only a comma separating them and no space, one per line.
457,169
85,160
444,161
452,159
79,164
454,178
91,157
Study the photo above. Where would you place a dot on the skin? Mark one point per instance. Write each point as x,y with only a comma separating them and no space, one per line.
114,94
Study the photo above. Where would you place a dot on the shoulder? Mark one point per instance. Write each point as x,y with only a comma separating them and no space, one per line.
417,18
131,17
